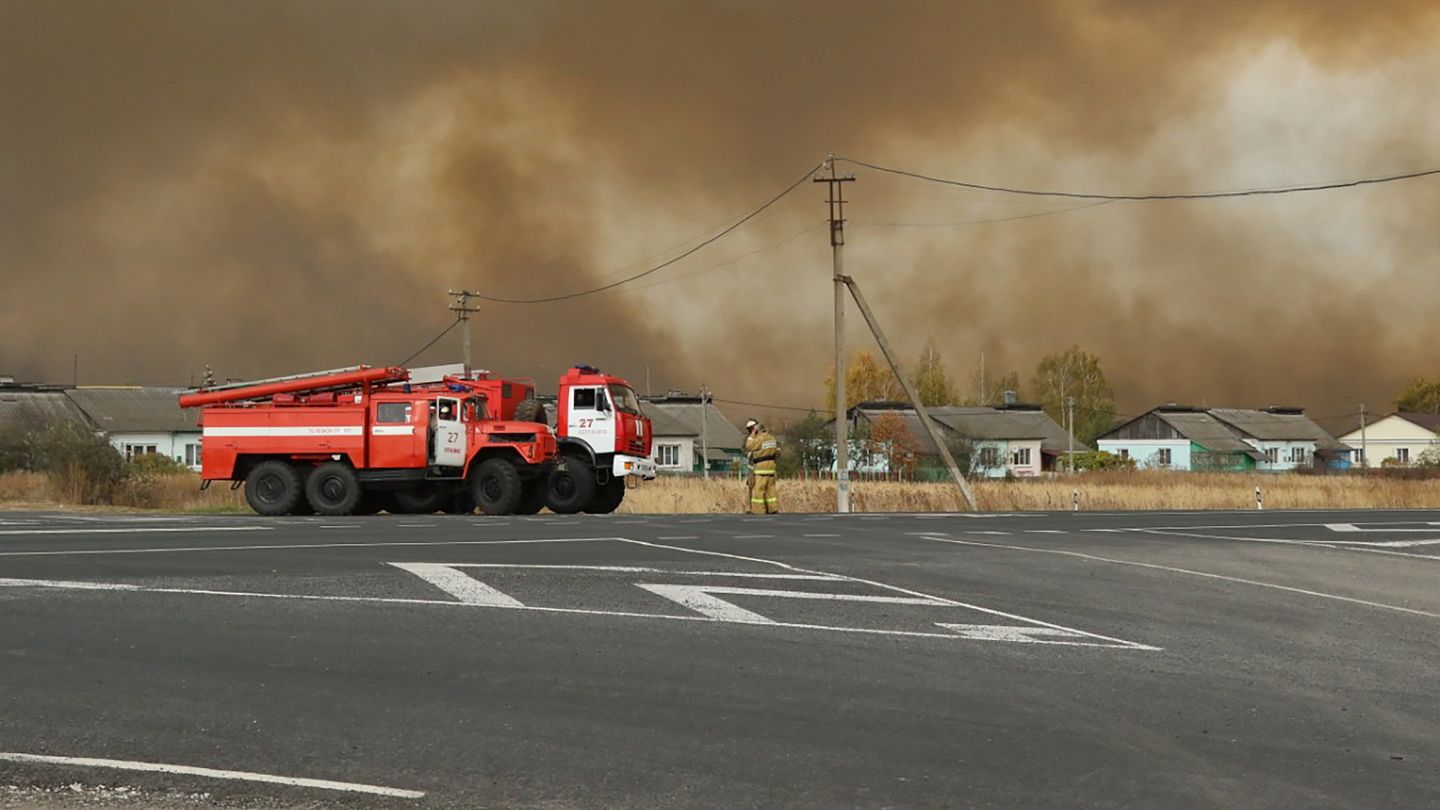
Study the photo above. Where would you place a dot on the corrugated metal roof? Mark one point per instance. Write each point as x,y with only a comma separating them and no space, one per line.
20,406
134,410
1207,431
981,423
1276,427
684,419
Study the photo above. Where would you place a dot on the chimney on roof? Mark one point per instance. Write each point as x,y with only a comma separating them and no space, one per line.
1009,398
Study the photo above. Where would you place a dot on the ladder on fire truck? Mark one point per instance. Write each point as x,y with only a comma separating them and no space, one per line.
336,379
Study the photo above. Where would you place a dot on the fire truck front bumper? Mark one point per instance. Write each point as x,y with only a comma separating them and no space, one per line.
633,465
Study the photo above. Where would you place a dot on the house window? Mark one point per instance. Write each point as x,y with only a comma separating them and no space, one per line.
192,455
667,455
1297,455
1021,457
392,413
1124,452
134,451
1272,455
989,457
1163,457
1402,455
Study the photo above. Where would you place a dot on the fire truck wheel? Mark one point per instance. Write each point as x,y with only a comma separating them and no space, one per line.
572,486
532,496
530,410
273,488
607,498
333,489
495,486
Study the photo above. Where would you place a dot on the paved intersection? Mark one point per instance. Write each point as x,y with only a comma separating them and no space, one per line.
1028,660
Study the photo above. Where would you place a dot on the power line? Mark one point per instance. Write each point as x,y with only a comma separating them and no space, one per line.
1205,195
661,266
770,406
980,221
432,342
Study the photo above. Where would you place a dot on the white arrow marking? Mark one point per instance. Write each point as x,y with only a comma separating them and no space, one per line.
1351,527
460,585
1019,633
702,599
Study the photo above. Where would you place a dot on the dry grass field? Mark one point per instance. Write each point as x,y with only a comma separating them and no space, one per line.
1127,490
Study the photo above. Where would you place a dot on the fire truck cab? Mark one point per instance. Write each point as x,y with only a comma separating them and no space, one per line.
358,440
603,439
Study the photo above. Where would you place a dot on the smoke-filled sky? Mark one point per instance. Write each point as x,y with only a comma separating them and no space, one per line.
270,187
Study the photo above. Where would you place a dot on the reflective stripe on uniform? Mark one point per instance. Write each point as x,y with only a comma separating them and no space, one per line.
764,472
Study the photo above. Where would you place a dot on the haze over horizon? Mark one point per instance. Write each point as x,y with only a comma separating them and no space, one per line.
274,187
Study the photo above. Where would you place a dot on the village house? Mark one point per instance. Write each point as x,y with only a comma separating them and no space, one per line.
690,436
1401,439
1017,439
1181,437
136,421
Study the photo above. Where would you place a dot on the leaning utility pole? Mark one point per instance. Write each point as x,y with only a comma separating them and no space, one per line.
462,297
836,202
920,410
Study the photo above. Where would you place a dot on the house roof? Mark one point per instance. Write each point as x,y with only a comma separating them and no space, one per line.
20,406
983,423
134,410
1270,426
1429,421
1206,431
682,417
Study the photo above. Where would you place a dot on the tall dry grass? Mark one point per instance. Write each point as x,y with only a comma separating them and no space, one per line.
171,493
1099,491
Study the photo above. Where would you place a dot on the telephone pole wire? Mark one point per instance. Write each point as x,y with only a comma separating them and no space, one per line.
462,310
836,203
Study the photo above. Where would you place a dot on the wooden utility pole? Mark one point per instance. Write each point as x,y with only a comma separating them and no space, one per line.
705,432
836,202
1364,450
462,298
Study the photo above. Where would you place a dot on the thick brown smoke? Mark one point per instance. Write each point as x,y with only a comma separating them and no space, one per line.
270,187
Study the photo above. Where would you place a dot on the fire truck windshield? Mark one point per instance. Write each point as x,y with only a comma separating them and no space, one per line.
624,399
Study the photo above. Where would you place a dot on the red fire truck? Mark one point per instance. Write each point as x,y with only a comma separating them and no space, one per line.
604,438
361,439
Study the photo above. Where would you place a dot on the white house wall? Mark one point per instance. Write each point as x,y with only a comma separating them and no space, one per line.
170,445
1388,436
1146,452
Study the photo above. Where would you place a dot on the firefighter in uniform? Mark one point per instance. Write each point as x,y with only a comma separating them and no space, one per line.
762,449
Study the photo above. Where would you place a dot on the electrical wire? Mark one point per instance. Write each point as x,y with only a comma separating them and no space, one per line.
1031,215
771,406
662,265
1204,195
432,342
778,243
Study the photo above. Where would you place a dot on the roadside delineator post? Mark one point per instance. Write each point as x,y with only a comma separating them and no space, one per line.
1075,499
1259,501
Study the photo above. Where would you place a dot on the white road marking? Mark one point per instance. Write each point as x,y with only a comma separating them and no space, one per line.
460,585
679,537
1018,634
1384,543
342,526
211,773
139,530
381,544
1113,531
1351,527
753,536
1005,534
640,569
816,535
67,584
416,525
1043,531
895,588
1190,572
702,599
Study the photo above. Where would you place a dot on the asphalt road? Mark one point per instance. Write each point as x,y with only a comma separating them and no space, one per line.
1175,660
